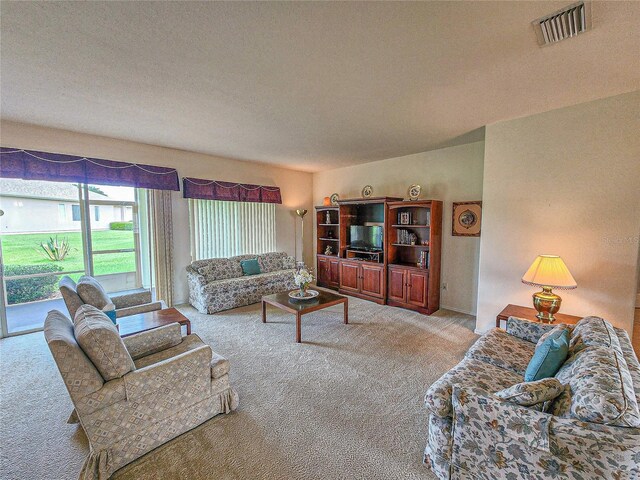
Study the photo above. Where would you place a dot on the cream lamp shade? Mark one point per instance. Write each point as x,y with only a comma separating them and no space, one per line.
549,271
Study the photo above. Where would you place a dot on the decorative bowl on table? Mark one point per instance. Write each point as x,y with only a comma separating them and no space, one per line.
301,296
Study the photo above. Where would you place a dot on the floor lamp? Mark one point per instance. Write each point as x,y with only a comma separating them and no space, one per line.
301,213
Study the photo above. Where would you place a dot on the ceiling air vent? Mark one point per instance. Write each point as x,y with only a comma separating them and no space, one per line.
565,23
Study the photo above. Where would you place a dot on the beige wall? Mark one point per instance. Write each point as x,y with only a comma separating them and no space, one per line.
451,174
564,182
295,186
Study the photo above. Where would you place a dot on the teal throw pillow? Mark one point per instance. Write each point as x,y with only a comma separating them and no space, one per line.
548,357
250,267
112,315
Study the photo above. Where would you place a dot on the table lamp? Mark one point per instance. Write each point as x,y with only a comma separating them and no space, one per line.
548,271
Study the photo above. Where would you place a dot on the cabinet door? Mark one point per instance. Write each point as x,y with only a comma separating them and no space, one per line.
334,272
324,273
396,289
372,280
417,283
350,276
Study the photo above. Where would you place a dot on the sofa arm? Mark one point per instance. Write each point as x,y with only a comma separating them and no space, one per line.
499,421
152,341
527,330
131,299
144,308
186,377
495,439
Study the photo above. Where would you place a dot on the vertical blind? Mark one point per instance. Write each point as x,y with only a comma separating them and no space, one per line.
224,229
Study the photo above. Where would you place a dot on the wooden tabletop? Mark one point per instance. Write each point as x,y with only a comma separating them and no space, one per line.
530,314
324,300
142,322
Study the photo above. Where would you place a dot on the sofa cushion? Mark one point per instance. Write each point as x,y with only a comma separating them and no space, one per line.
470,372
288,263
272,261
91,292
631,358
70,295
499,348
548,357
250,267
246,283
101,342
601,387
532,393
220,269
561,405
593,331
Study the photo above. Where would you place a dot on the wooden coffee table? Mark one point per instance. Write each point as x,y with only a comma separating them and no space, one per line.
299,308
141,322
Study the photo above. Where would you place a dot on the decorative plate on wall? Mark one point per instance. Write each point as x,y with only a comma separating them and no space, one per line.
414,192
367,191
334,198
467,217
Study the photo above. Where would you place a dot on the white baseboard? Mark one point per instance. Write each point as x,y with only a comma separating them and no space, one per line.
454,309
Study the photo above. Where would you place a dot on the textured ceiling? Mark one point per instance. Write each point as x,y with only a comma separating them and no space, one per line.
303,85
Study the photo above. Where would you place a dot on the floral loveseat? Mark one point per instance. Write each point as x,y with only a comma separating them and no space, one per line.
218,284
590,431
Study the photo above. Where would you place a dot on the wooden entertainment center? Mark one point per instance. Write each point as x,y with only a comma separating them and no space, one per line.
394,257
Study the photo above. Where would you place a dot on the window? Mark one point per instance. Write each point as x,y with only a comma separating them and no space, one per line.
39,244
224,229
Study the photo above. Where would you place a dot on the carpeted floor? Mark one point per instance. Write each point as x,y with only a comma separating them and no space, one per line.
346,403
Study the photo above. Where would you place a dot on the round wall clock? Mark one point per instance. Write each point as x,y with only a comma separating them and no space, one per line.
367,191
414,192
334,198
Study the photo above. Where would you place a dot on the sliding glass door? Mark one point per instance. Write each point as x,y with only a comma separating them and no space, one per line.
51,229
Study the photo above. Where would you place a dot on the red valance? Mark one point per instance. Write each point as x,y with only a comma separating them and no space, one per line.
57,167
228,191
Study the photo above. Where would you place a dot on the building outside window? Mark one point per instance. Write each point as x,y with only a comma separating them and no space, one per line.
75,213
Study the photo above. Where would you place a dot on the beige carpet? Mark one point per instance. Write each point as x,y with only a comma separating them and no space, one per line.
346,403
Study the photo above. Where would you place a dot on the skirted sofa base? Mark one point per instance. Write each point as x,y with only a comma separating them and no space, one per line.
473,434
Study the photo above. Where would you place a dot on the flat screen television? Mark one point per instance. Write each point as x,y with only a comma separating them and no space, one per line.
365,237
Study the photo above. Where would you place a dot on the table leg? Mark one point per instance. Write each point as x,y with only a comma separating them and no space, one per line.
188,324
298,333
346,311
264,312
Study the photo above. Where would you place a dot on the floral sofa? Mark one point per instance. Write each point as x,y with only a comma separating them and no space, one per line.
590,431
218,284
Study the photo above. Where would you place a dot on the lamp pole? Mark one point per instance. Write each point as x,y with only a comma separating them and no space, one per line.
301,213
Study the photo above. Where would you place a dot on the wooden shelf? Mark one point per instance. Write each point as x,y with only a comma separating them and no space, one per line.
411,246
329,239
329,224
411,226
408,284
408,265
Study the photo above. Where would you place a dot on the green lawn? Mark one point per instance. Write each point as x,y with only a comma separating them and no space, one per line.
25,250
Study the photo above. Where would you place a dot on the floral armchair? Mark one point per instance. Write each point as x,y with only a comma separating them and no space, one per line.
591,430
132,395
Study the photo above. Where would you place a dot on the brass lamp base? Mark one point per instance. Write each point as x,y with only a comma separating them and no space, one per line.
546,303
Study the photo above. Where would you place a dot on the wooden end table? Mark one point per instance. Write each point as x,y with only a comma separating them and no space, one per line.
299,308
530,314
141,322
